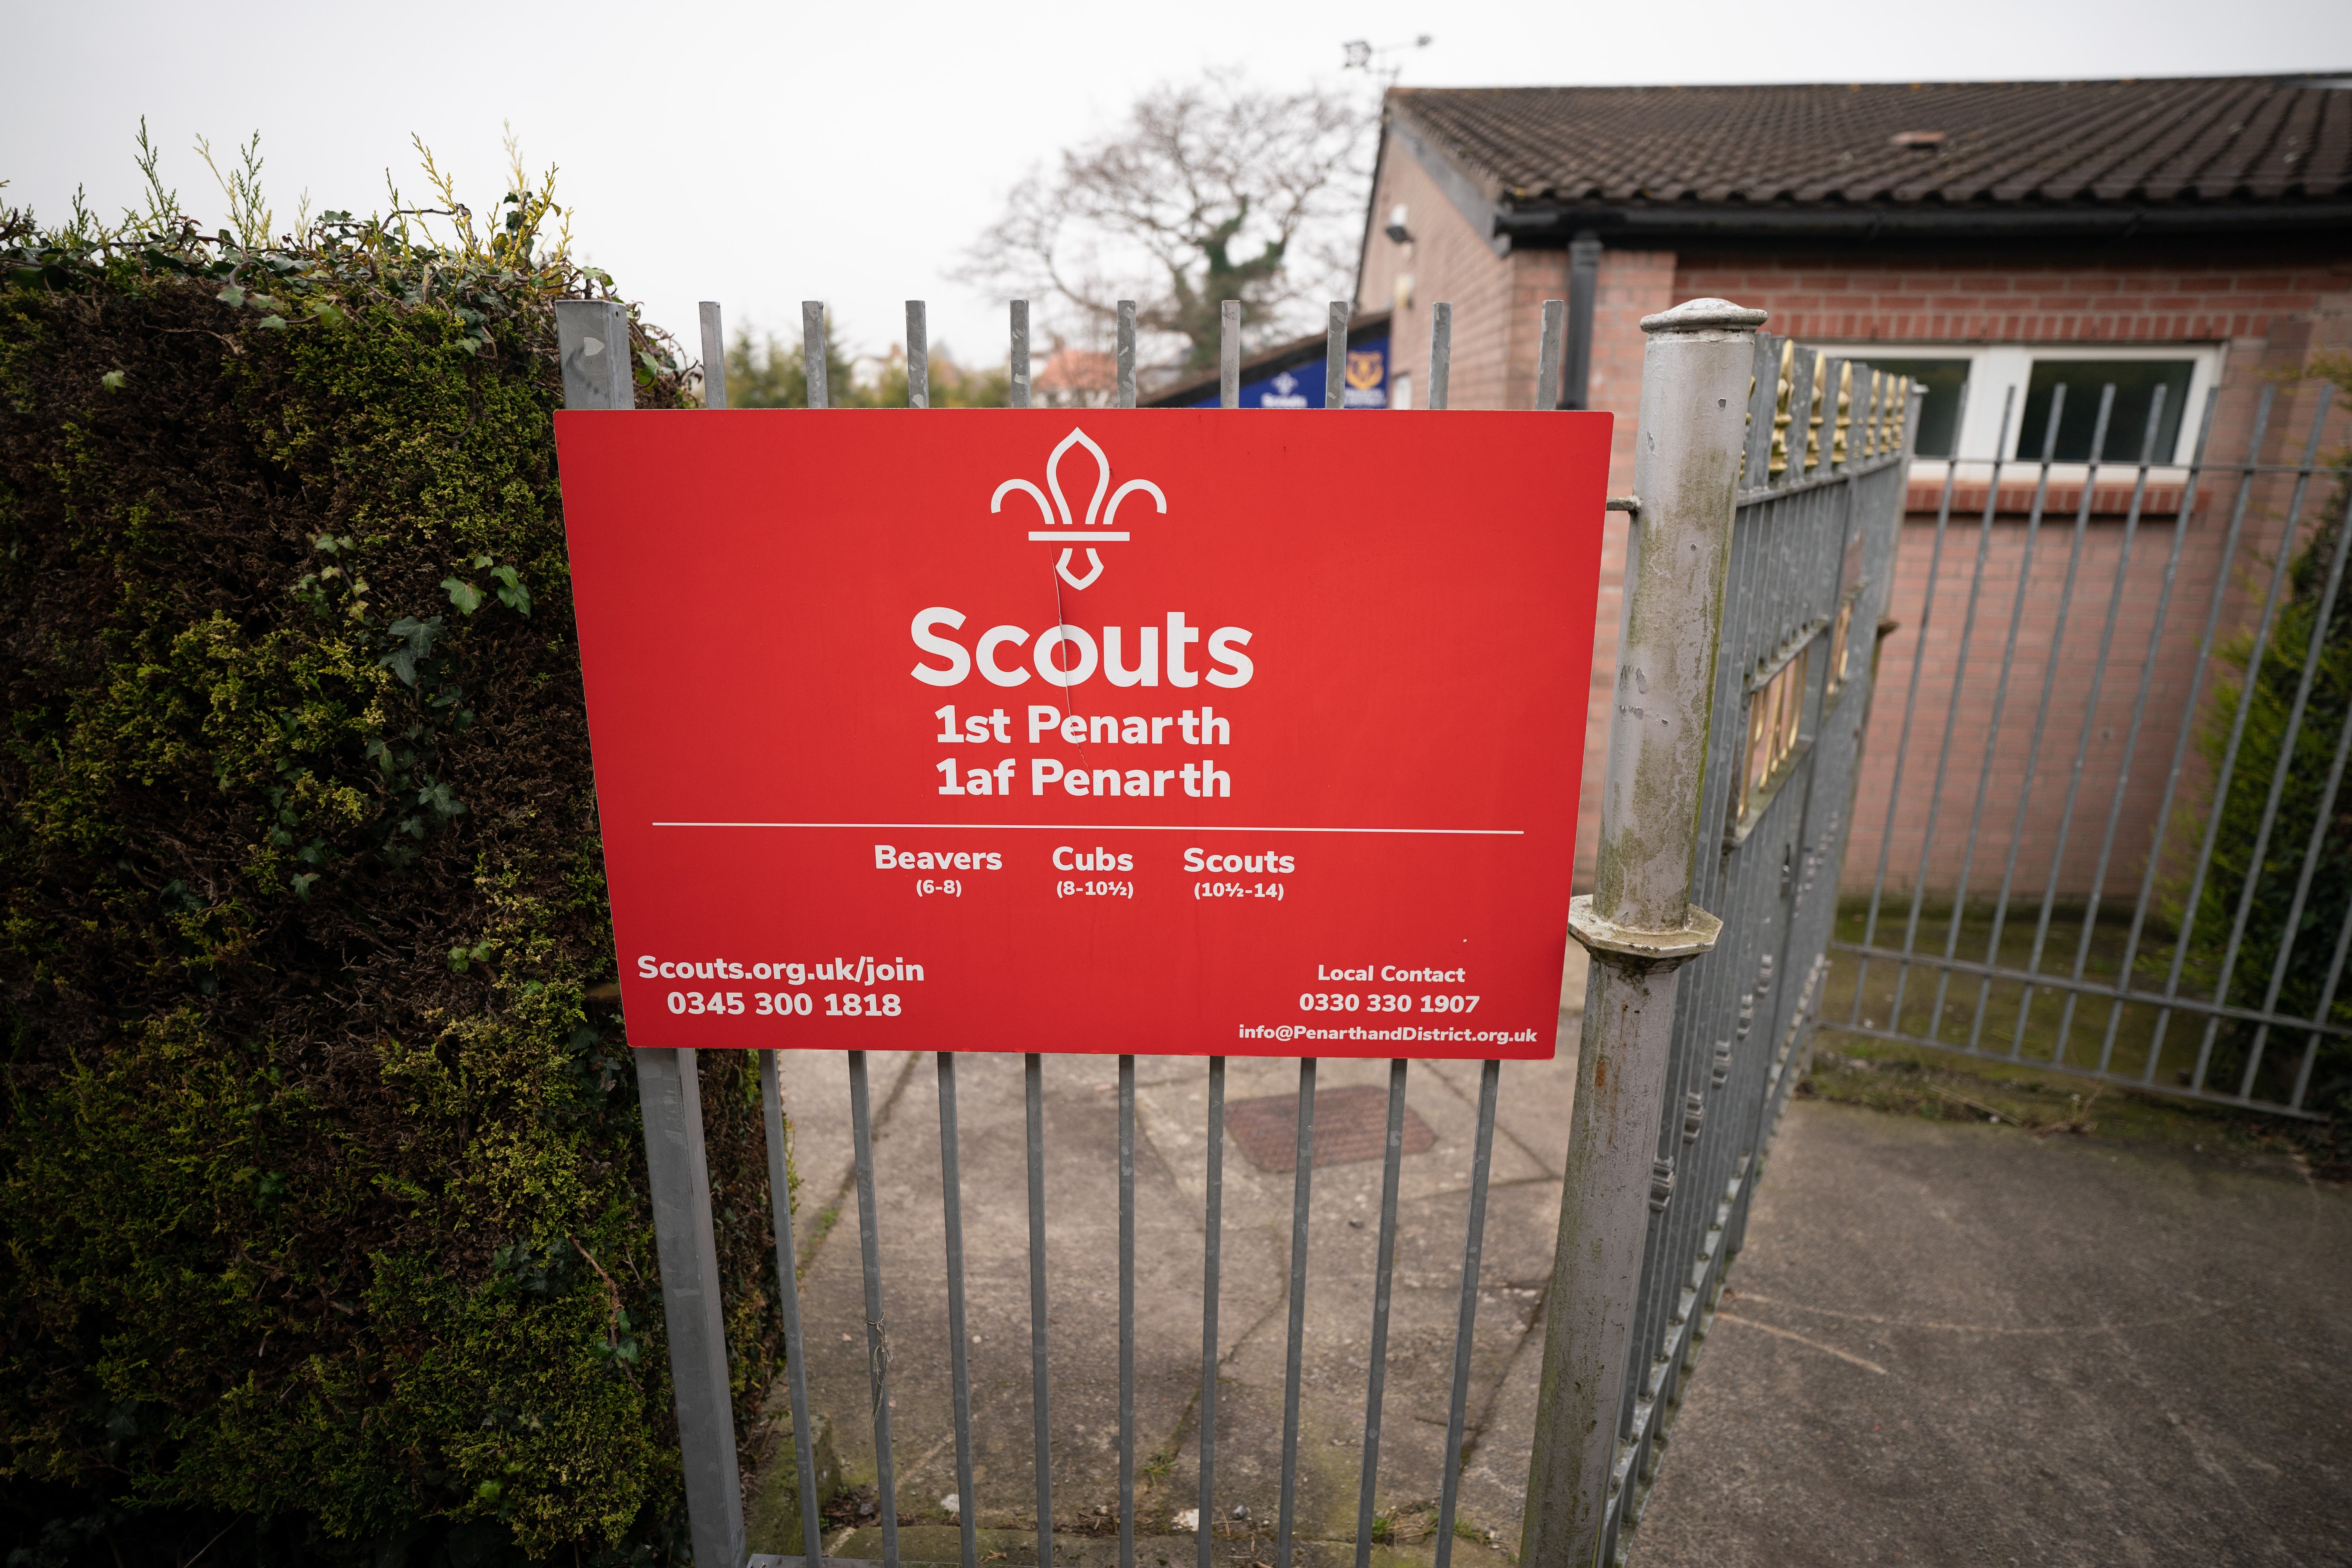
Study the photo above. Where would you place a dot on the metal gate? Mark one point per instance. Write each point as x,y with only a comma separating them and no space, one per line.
2130,868
1771,486
1821,462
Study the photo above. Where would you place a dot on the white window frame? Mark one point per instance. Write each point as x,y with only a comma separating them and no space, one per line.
1994,369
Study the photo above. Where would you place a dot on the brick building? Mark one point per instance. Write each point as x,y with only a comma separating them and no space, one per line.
2193,234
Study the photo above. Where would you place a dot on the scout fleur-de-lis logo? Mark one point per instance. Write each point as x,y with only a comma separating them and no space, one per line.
1072,534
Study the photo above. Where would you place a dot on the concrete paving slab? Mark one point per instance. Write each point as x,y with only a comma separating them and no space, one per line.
1952,1343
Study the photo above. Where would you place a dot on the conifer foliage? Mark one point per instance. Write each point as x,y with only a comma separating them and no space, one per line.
323,1224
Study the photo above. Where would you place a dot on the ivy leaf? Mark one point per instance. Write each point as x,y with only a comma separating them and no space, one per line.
512,592
112,380
301,882
232,295
416,640
436,799
462,593
273,322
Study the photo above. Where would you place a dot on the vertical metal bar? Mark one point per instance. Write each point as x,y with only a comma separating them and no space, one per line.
1033,1075
2098,680
1756,449
2187,727
2321,821
1993,728
1583,282
1441,351
1910,703
677,1172
1017,391
592,349
919,354
1301,1182
714,358
959,1336
2033,751
2259,651
814,353
1548,348
1229,369
1127,1311
2326,1000
1127,354
1335,358
1639,923
1800,416
788,1295
878,1336
592,344
2280,770
1465,1322
1383,1275
1212,1246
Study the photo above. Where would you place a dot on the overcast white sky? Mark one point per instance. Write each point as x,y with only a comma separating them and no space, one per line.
765,154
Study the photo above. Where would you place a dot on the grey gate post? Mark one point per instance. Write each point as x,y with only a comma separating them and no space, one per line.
1639,923
593,343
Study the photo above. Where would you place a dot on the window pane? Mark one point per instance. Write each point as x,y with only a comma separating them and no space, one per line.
1939,415
2135,381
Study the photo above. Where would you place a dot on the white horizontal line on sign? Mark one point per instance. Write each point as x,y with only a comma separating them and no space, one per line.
1064,536
1112,827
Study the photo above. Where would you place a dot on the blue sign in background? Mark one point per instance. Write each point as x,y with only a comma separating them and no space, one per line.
1301,385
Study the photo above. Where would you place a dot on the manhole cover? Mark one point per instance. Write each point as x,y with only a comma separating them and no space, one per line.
1350,1124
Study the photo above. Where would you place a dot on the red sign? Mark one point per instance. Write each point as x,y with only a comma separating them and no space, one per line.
1161,730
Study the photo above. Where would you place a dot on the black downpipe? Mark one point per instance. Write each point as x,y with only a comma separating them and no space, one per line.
1583,275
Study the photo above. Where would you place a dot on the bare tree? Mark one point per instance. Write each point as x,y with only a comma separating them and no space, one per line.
1210,191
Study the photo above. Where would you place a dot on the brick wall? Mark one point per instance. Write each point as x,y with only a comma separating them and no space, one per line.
2111,295
1497,333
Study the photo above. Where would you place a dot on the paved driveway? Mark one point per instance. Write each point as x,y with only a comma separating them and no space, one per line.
1951,1344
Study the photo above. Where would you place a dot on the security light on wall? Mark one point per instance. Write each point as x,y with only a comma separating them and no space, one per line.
1396,229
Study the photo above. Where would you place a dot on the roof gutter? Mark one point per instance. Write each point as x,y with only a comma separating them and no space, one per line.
1551,224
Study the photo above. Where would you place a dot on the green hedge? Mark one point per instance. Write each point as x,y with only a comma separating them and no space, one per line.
321,1181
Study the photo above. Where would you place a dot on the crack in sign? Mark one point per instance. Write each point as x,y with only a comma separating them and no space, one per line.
1056,513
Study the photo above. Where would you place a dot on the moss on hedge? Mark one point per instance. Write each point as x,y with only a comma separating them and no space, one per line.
322,1183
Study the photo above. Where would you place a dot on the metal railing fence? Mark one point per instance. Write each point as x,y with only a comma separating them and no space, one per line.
2215,820
1759,749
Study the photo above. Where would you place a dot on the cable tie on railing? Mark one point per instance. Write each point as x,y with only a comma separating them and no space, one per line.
877,1360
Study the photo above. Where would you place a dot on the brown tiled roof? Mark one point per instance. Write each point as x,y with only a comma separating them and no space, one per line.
2182,140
